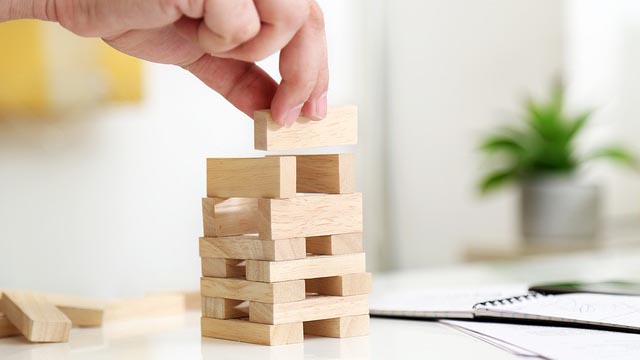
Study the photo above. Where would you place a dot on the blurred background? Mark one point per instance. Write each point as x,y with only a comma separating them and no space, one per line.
102,157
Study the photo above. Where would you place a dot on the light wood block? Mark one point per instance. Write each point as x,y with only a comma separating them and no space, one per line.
251,247
331,174
229,216
343,285
335,244
339,127
347,326
36,318
245,331
307,268
82,311
309,309
191,298
169,304
223,268
311,215
219,308
7,328
239,289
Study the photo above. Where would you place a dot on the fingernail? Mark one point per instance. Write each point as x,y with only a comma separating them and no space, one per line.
321,106
292,115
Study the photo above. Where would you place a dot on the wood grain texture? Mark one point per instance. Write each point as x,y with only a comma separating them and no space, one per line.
307,268
312,215
339,127
245,331
82,311
348,326
330,174
36,318
229,216
264,177
223,268
343,285
309,309
219,308
168,304
335,244
239,289
6,327
251,247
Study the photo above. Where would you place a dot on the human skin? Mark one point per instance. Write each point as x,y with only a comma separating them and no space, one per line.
218,41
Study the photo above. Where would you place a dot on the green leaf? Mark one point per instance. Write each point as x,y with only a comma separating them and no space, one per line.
502,143
577,124
497,179
615,153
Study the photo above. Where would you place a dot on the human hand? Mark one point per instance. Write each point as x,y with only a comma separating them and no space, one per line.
218,41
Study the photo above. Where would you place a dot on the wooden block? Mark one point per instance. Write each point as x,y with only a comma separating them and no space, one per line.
309,309
264,177
251,247
341,327
307,268
192,299
7,328
335,244
331,174
159,305
343,285
223,268
311,215
36,318
239,289
339,127
245,331
219,308
229,216
82,311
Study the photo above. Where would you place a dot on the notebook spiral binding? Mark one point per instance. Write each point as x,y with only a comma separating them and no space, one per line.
510,300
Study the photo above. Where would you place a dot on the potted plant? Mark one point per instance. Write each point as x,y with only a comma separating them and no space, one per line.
556,204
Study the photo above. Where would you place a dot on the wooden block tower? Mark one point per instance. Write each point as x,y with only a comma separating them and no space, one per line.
282,251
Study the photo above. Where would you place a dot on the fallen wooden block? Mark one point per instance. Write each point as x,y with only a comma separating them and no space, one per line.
169,304
82,311
243,330
239,289
191,298
229,216
343,285
339,127
223,268
311,215
348,326
335,244
219,308
309,309
307,268
36,318
251,247
7,328
331,174
264,177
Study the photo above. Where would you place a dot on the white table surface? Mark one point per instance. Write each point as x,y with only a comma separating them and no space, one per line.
179,337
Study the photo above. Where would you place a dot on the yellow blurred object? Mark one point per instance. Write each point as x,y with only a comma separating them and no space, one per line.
123,74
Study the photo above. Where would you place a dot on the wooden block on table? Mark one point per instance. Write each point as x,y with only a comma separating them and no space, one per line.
339,127
251,247
311,215
335,244
220,308
307,268
240,289
191,298
264,177
309,309
341,327
229,216
169,304
82,311
331,174
245,331
7,328
36,318
223,268
343,285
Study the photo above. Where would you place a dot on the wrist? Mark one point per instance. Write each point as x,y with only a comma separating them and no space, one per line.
27,9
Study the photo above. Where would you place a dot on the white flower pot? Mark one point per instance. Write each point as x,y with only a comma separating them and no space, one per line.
559,211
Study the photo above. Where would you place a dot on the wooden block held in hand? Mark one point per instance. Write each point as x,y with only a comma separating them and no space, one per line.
245,331
343,285
229,216
348,326
220,308
307,268
339,127
265,177
330,174
36,318
335,244
312,215
239,289
223,268
7,328
82,311
309,309
251,247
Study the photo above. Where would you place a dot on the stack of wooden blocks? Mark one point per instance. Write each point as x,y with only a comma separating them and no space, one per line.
282,251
